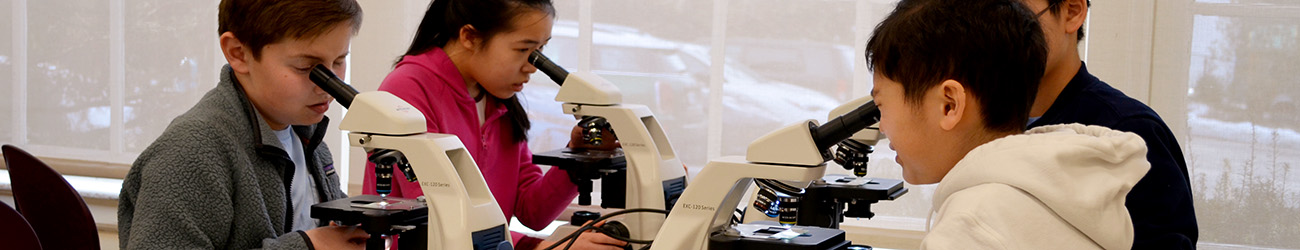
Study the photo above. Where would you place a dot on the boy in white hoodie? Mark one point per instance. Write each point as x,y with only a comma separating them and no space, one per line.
954,80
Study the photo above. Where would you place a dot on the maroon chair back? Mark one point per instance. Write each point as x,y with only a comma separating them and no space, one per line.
53,208
14,230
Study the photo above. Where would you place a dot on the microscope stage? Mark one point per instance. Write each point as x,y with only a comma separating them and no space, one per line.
814,238
582,159
365,211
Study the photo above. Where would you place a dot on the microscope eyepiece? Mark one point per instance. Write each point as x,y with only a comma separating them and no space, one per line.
555,72
840,128
325,79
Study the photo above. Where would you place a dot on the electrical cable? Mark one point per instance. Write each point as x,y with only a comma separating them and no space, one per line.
601,230
573,237
620,237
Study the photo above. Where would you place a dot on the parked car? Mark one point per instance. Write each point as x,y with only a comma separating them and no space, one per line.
672,79
825,67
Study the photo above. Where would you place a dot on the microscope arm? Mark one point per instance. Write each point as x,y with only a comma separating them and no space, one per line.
654,174
707,204
460,211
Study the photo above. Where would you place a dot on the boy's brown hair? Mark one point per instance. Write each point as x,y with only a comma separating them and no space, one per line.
257,23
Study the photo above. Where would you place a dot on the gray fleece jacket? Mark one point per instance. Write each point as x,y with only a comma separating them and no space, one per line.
218,178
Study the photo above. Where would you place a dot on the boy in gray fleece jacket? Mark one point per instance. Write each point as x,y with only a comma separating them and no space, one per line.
241,168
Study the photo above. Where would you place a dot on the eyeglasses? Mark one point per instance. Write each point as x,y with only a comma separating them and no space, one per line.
1050,6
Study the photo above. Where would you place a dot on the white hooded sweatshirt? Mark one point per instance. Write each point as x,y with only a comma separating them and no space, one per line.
1054,187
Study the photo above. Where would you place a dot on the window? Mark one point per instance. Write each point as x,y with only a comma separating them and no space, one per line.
669,60
7,85
171,69
1223,78
68,83
98,81
1229,64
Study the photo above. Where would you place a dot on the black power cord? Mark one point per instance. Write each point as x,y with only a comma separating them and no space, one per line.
573,237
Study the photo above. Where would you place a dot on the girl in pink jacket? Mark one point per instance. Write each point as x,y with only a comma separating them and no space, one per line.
462,71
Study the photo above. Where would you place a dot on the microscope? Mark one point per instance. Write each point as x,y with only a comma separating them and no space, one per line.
457,210
644,173
703,217
827,201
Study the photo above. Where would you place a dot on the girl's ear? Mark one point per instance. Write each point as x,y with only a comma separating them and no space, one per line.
469,38
953,100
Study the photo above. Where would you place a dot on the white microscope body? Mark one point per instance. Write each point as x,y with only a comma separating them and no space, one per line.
788,154
796,153
460,204
868,136
461,211
654,172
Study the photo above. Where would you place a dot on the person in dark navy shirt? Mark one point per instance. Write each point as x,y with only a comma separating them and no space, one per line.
1161,203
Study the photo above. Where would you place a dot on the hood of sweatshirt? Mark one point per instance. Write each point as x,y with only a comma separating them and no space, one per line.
1082,173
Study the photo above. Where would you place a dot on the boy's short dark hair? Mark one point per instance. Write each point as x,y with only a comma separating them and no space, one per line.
994,48
257,23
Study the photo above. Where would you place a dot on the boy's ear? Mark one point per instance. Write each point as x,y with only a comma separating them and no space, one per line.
236,53
1075,13
953,98
469,38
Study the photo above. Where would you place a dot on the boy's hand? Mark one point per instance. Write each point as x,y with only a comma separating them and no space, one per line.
337,237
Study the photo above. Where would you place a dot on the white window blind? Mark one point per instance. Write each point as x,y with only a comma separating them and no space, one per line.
1224,78
100,80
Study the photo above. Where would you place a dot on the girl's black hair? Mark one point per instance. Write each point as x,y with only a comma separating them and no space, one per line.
442,23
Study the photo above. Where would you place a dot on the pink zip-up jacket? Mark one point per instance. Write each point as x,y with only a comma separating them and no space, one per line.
431,83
